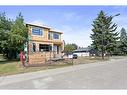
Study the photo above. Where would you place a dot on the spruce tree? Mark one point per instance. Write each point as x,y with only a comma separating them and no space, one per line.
104,36
123,41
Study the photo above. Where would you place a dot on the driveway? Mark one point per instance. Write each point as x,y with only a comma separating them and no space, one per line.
103,75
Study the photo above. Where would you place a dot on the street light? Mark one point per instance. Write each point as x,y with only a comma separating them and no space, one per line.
116,15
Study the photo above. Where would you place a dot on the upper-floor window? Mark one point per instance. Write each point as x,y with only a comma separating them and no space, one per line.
50,35
56,36
37,31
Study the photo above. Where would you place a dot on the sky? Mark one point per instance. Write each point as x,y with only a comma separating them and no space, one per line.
74,21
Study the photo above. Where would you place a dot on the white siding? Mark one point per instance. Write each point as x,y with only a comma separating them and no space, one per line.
82,53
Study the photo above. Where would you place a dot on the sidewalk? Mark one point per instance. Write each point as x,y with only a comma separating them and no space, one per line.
34,75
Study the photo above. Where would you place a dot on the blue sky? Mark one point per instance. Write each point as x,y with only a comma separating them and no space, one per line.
74,21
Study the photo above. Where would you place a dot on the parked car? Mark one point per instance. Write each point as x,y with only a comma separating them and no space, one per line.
75,56
71,55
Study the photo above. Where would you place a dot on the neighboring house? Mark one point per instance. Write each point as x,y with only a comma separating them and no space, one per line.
43,44
88,51
82,52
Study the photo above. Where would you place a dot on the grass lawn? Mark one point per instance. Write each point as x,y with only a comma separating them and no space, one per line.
14,67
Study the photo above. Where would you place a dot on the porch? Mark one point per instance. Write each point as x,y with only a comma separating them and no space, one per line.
42,52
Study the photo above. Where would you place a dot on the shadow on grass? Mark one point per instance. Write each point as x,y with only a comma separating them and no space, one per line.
6,61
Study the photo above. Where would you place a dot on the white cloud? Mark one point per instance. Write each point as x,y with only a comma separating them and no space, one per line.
79,36
39,22
69,16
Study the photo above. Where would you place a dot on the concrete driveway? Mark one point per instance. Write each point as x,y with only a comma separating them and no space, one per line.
103,75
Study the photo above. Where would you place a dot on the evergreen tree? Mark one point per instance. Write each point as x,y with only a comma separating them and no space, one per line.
104,36
123,41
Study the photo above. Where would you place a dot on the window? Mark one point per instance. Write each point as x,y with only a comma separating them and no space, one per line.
45,47
34,47
80,51
56,36
50,36
37,31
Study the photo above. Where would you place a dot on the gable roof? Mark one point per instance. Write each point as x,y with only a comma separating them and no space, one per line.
38,25
43,26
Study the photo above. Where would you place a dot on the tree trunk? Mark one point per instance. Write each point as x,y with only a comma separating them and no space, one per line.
108,54
102,53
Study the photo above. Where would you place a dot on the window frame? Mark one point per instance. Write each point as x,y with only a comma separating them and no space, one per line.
47,48
56,34
33,47
50,35
38,28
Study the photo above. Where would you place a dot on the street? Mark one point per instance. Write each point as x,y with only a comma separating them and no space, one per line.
105,75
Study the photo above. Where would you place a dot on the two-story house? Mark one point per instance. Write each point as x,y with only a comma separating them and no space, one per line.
43,43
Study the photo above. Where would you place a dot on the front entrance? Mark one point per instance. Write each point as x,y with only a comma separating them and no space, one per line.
56,49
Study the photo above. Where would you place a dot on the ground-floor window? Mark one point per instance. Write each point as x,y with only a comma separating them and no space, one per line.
34,47
45,47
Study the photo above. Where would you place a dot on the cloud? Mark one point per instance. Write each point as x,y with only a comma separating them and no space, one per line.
69,16
79,36
38,22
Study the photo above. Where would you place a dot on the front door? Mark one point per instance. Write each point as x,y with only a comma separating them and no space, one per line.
56,49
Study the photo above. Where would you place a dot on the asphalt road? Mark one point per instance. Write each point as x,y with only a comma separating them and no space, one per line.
107,75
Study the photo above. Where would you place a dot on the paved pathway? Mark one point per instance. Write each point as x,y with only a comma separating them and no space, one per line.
105,75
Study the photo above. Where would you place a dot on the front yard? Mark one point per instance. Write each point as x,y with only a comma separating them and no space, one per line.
14,67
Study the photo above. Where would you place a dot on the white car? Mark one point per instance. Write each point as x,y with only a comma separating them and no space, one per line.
70,55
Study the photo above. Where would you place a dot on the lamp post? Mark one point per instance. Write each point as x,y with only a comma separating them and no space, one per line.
115,15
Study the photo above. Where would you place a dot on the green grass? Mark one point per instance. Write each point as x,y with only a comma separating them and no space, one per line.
15,67
1,58
8,67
